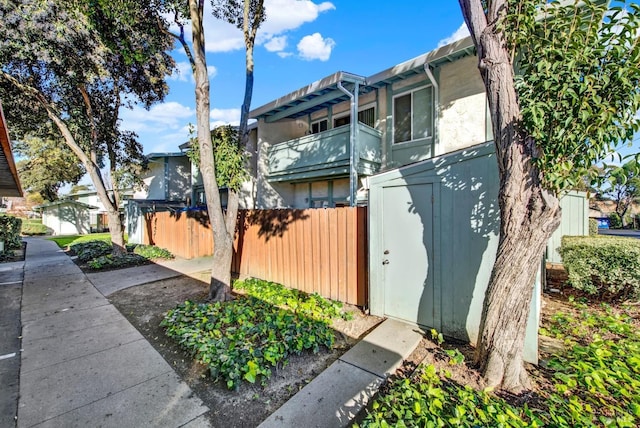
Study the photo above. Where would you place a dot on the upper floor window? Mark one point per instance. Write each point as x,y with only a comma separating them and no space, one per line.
366,116
413,115
319,126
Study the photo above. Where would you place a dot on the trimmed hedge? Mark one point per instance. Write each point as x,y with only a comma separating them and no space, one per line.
31,229
607,266
593,226
10,232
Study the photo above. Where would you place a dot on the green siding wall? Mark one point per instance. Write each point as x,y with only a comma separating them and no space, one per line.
575,221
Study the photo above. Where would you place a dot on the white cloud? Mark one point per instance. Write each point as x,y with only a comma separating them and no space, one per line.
276,44
284,54
221,116
282,16
315,46
185,74
459,34
286,15
160,118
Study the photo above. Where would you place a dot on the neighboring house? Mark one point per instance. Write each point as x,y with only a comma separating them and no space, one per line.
247,194
173,183
9,181
167,186
98,219
67,217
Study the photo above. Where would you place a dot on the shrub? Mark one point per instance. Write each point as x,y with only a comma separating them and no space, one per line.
593,226
606,266
10,232
152,252
111,261
34,229
299,302
615,222
90,250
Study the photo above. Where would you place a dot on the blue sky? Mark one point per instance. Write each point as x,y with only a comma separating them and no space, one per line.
300,42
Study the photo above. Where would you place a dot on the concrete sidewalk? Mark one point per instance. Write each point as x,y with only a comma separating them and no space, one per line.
339,393
11,275
83,363
111,281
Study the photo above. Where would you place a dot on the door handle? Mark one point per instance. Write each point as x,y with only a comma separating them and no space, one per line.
385,262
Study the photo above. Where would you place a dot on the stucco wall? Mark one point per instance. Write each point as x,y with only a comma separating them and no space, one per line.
153,180
66,219
462,106
179,178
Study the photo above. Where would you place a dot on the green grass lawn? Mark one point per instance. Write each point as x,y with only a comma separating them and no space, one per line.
64,241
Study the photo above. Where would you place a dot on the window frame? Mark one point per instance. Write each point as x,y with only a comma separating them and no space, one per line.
393,114
318,122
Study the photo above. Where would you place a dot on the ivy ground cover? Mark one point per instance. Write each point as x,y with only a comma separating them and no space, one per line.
595,382
245,339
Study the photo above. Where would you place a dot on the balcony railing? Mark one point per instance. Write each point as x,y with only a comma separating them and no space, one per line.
325,154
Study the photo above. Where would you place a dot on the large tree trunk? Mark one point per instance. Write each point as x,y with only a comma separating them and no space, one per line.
528,213
528,218
220,287
115,224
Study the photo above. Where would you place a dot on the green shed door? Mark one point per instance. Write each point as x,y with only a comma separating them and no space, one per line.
408,248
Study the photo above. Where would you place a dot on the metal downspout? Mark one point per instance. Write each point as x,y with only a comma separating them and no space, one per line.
353,138
436,108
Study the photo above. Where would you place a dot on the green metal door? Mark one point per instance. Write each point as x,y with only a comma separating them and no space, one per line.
408,250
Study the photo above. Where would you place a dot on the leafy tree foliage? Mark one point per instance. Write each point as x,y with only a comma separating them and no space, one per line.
47,165
622,186
577,81
72,65
230,159
562,85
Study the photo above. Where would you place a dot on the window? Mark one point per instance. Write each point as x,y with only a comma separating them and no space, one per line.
366,116
413,115
319,126
341,121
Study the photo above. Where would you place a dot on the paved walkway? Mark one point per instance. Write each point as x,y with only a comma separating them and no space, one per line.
111,281
11,275
83,363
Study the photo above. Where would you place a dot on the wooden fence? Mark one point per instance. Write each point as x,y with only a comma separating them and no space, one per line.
314,250
186,234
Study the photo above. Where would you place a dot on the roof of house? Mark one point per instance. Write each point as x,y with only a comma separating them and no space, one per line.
326,92
9,181
63,202
165,155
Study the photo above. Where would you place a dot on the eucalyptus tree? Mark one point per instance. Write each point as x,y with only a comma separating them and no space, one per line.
71,66
246,15
562,85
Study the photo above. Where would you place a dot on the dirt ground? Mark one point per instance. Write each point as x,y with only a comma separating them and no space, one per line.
145,305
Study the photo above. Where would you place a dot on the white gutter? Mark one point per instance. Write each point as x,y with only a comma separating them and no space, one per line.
436,108
353,138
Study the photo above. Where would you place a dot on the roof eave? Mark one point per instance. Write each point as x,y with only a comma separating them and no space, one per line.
13,187
319,85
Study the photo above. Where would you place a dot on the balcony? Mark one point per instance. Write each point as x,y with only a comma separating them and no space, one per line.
325,155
